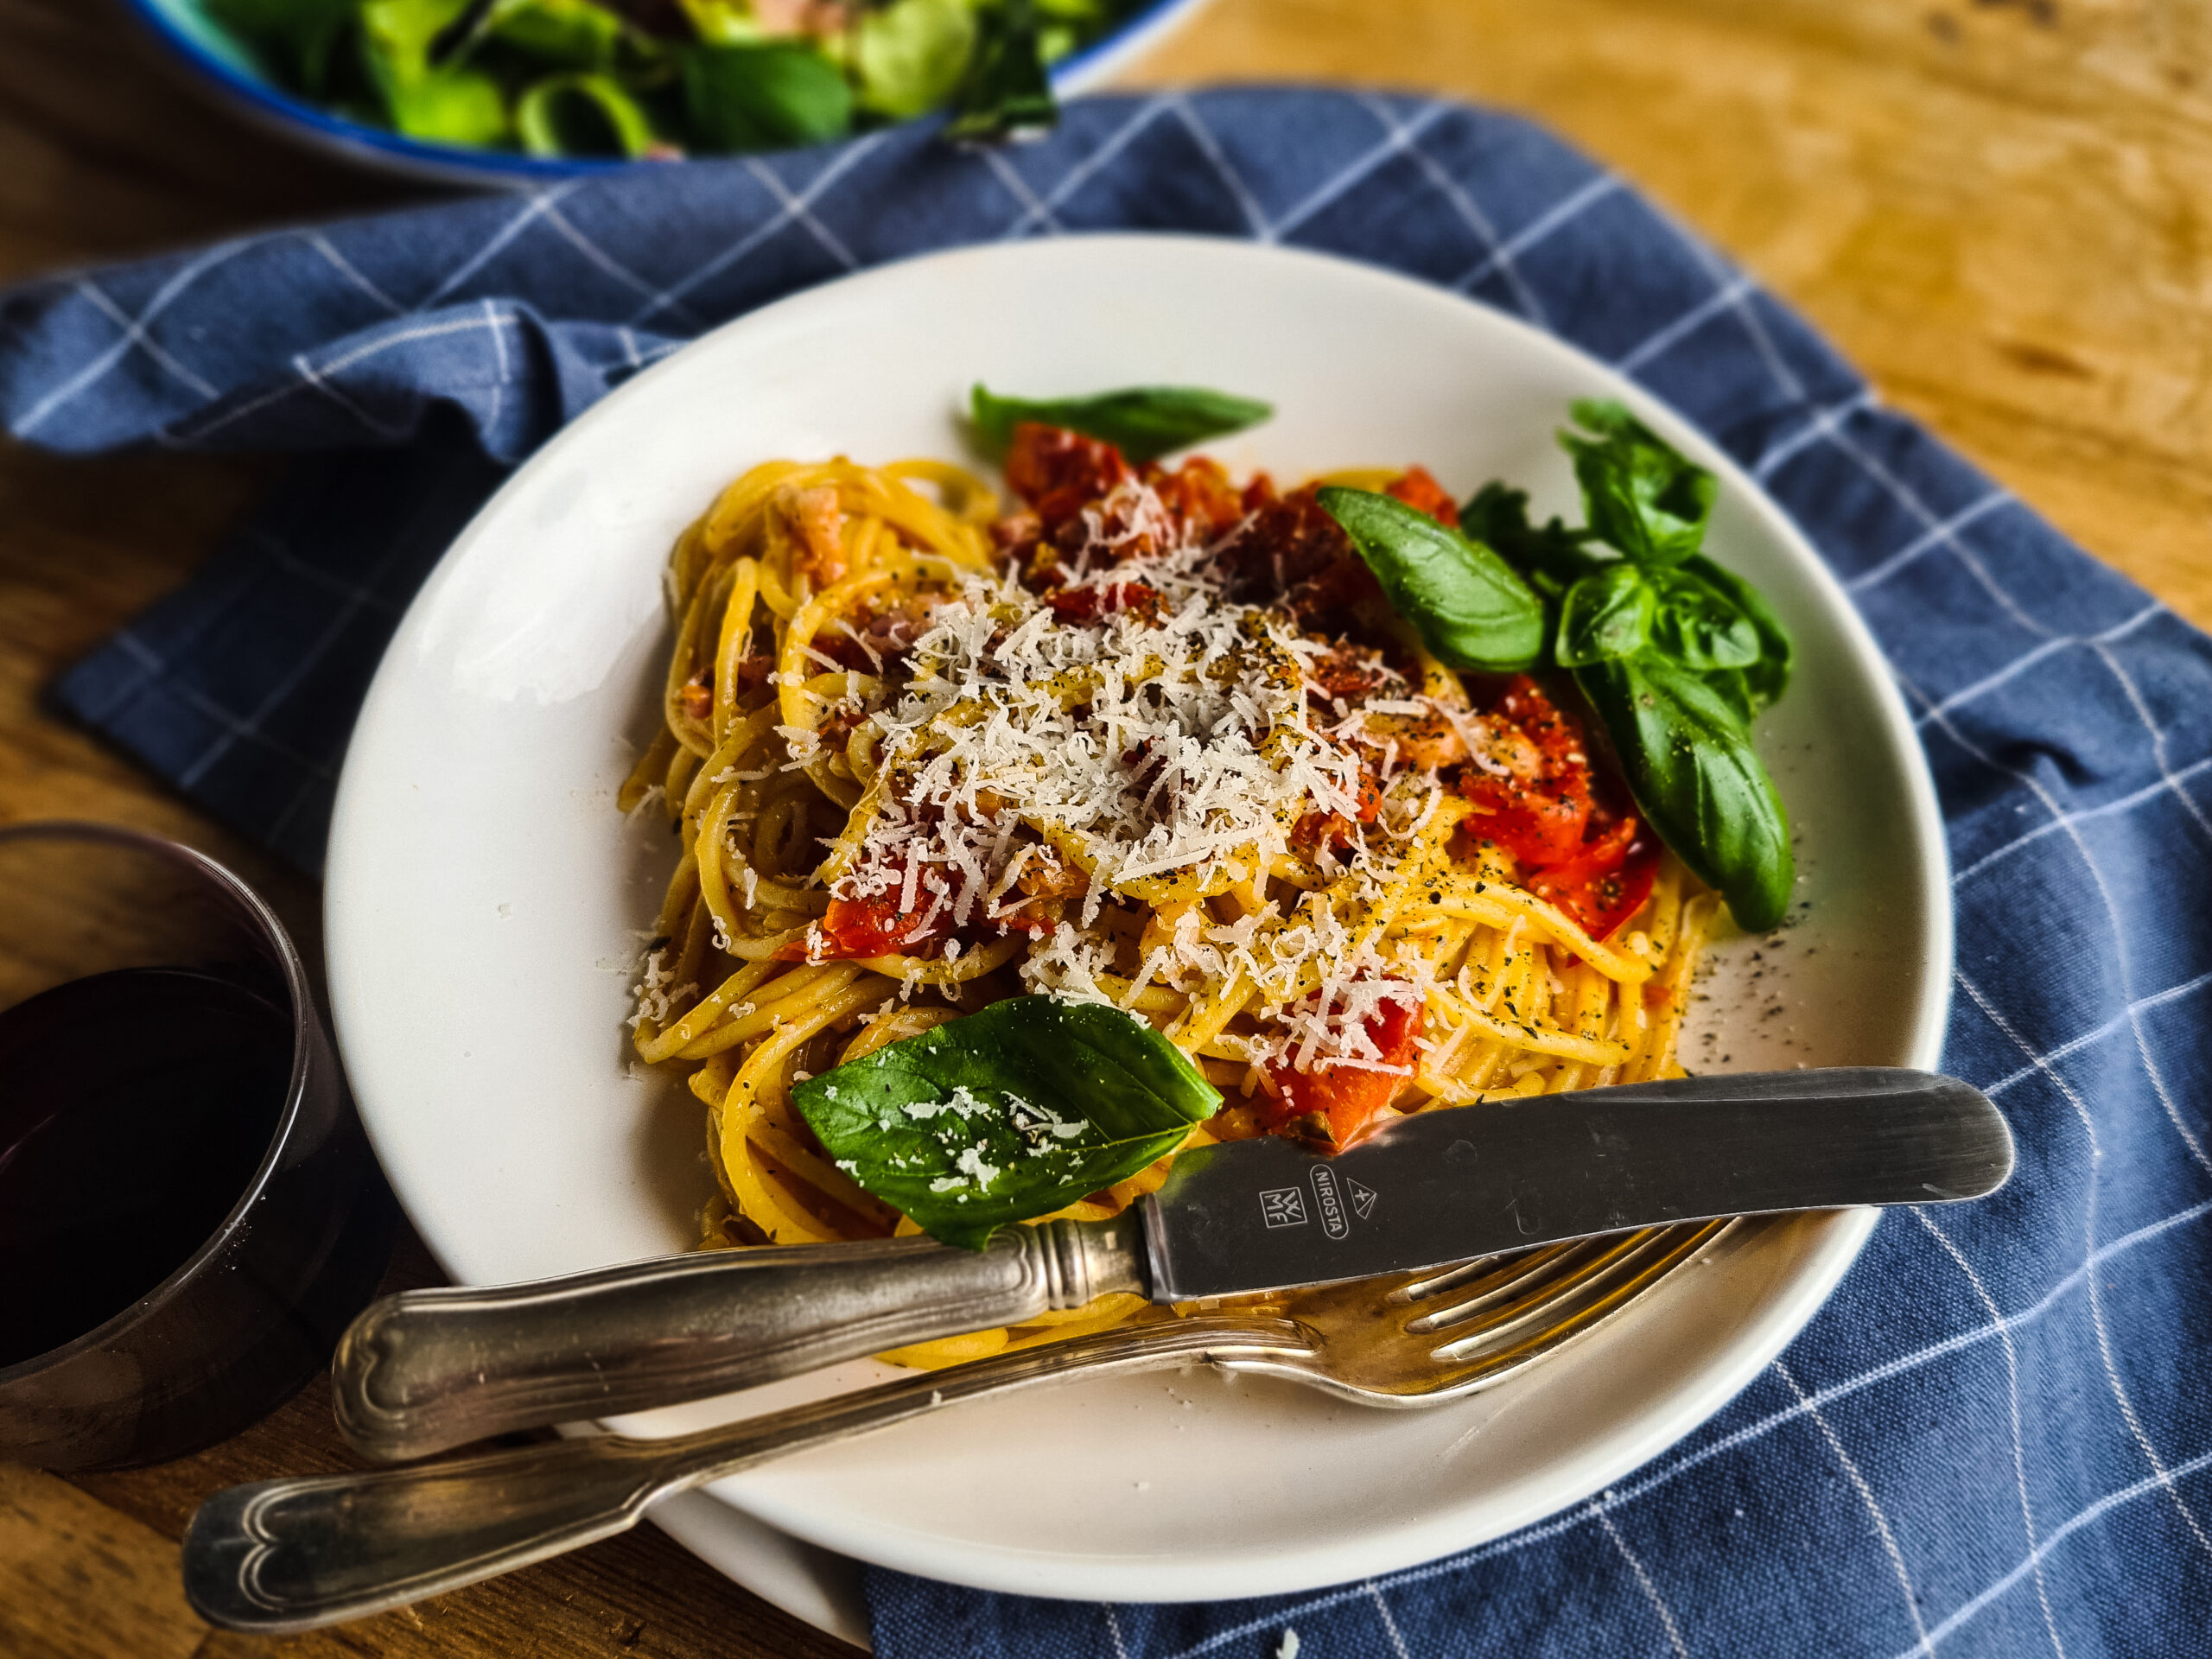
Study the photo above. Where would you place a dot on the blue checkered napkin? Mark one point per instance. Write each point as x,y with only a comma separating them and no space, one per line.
1997,1439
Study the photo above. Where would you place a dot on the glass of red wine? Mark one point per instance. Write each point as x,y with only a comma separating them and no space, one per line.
189,1213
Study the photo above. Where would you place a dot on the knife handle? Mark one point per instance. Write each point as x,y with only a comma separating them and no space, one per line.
428,1370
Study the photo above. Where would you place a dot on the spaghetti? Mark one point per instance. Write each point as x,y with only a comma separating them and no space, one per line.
1152,739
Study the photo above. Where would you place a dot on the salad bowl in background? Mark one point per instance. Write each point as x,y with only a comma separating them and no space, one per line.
219,59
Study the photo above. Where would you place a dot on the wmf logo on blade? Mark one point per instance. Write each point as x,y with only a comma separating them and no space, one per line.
1335,1201
1283,1206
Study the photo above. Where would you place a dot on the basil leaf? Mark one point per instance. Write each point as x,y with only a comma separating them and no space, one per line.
1728,684
766,97
1013,1112
1692,769
581,115
1605,614
1006,92
1550,557
1639,495
1466,602
1701,627
1144,422
1769,678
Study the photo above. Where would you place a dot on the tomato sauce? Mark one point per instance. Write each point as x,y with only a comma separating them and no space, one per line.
1332,1104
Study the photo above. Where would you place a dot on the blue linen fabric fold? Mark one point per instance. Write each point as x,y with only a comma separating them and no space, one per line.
1996,1439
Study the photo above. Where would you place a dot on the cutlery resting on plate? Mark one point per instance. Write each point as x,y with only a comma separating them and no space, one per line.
426,1370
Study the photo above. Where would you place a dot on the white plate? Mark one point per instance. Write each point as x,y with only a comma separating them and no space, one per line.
484,896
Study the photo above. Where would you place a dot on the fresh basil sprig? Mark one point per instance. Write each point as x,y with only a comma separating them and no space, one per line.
1641,496
1144,422
1011,1113
1470,608
1766,679
1551,557
1676,655
1692,769
1606,614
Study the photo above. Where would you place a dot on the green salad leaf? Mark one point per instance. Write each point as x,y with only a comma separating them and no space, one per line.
1692,771
1144,422
581,115
910,54
444,105
765,97
723,22
576,33
475,72
1640,496
1465,601
1006,92
300,39
1007,1115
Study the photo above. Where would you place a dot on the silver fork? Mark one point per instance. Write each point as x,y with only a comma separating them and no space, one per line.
293,1554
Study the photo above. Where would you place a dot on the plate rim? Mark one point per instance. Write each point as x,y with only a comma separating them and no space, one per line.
1842,1234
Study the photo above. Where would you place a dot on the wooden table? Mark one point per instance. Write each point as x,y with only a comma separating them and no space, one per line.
2001,209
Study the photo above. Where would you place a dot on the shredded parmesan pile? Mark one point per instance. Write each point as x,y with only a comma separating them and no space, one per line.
1167,753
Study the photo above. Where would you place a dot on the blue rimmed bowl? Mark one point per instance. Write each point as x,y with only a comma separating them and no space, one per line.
209,55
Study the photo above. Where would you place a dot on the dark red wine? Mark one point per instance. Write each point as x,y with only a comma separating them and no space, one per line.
135,1107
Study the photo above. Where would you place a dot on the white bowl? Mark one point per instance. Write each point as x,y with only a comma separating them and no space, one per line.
484,900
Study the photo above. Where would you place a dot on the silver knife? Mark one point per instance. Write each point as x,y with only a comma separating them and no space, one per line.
428,1370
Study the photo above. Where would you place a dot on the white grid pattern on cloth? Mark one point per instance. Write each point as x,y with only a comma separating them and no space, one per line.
235,724
1644,1582
1826,427
133,331
323,245
1978,1603
1470,212
2098,1322
2030,658
2019,1432
1858,1479
2131,998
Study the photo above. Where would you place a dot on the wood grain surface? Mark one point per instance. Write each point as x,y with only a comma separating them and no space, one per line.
2001,209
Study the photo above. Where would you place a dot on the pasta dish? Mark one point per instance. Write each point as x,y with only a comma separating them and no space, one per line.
1148,737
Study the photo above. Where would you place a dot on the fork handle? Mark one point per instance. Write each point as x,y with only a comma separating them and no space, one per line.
292,1554
430,1369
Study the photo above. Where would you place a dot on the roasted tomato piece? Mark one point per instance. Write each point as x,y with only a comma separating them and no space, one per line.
1059,472
1541,816
1419,490
1088,604
1329,1106
1352,672
1199,495
874,925
1608,882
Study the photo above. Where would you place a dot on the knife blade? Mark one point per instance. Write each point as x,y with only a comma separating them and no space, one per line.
424,1370
1441,1186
